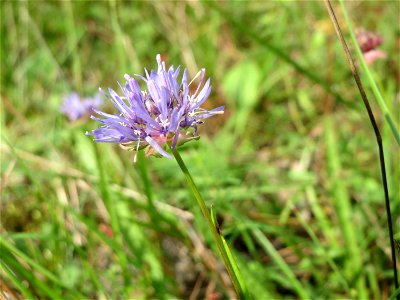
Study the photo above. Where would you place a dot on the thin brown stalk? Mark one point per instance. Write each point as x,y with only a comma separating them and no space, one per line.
377,135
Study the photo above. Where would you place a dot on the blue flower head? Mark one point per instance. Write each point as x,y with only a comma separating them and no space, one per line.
166,111
74,107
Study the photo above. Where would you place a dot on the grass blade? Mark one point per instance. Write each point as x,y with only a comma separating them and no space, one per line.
228,252
270,249
376,132
381,102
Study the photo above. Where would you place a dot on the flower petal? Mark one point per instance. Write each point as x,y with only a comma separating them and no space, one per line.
157,147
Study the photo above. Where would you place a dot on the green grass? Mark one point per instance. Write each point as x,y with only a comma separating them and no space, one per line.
291,168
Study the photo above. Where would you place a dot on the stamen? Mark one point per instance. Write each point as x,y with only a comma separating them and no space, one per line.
136,153
195,77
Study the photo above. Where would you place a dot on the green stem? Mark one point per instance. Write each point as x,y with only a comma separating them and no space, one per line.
145,178
235,277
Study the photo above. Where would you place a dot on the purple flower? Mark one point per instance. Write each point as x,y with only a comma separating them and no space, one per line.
74,107
164,112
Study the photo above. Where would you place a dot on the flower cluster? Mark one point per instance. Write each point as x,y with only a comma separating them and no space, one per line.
369,42
75,108
164,112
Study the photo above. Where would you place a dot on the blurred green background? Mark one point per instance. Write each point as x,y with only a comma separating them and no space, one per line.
291,167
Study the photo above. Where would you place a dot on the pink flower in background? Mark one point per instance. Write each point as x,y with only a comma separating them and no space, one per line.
369,42
373,55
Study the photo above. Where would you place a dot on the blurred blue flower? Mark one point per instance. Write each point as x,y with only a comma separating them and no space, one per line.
74,107
164,112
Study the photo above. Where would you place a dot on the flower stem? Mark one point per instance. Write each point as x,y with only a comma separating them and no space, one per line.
222,247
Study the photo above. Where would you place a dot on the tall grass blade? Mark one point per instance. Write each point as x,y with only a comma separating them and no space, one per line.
354,265
395,295
228,251
381,102
377,135
270,249
16,281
